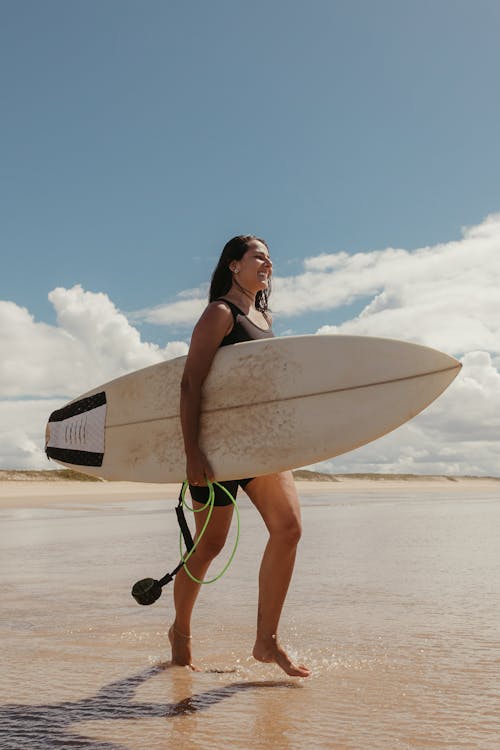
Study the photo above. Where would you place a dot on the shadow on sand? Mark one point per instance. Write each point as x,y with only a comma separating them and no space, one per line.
47,726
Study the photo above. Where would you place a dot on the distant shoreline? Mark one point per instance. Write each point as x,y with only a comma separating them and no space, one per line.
315,476
66,489
301,475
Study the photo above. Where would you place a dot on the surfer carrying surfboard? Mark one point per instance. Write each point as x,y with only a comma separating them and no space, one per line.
237,311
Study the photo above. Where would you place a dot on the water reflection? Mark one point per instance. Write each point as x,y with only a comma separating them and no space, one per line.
47,726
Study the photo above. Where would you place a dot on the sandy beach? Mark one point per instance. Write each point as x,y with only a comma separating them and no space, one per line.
39,493
394,605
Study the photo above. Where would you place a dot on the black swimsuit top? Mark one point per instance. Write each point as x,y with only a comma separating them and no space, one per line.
243,329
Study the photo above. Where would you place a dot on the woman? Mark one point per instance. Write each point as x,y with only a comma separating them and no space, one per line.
237,311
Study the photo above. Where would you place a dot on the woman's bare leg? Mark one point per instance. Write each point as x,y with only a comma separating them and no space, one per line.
186,590
276,499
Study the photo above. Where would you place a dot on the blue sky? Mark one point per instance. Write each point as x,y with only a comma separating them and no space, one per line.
137,137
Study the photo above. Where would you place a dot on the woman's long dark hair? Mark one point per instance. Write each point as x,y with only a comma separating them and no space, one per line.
222,278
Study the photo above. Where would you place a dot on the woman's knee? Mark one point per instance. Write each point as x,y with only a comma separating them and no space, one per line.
288,532
276,499
210,546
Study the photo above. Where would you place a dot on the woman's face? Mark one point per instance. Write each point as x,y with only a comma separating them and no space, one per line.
254,270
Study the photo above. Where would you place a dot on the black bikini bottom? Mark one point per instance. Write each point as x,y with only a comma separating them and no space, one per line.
200,494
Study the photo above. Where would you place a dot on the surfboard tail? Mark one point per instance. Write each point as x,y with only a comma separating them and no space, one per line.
75,434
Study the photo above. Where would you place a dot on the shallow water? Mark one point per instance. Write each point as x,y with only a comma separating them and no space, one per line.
395,605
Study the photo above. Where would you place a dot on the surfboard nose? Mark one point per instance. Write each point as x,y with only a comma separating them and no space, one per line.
444,359
439,360
445,364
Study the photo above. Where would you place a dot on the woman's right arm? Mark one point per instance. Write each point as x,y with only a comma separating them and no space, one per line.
214,324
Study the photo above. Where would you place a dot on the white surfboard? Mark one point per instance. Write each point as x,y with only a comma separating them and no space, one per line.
267,406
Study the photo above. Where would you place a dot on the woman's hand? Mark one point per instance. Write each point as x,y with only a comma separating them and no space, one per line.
198,469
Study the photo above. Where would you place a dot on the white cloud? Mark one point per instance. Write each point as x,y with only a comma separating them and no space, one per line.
446,296
22,427
91,343
43,366
183,312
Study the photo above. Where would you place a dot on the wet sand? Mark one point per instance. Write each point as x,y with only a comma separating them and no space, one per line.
395,605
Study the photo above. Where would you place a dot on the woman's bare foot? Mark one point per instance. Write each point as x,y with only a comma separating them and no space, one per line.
181,648
271,651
